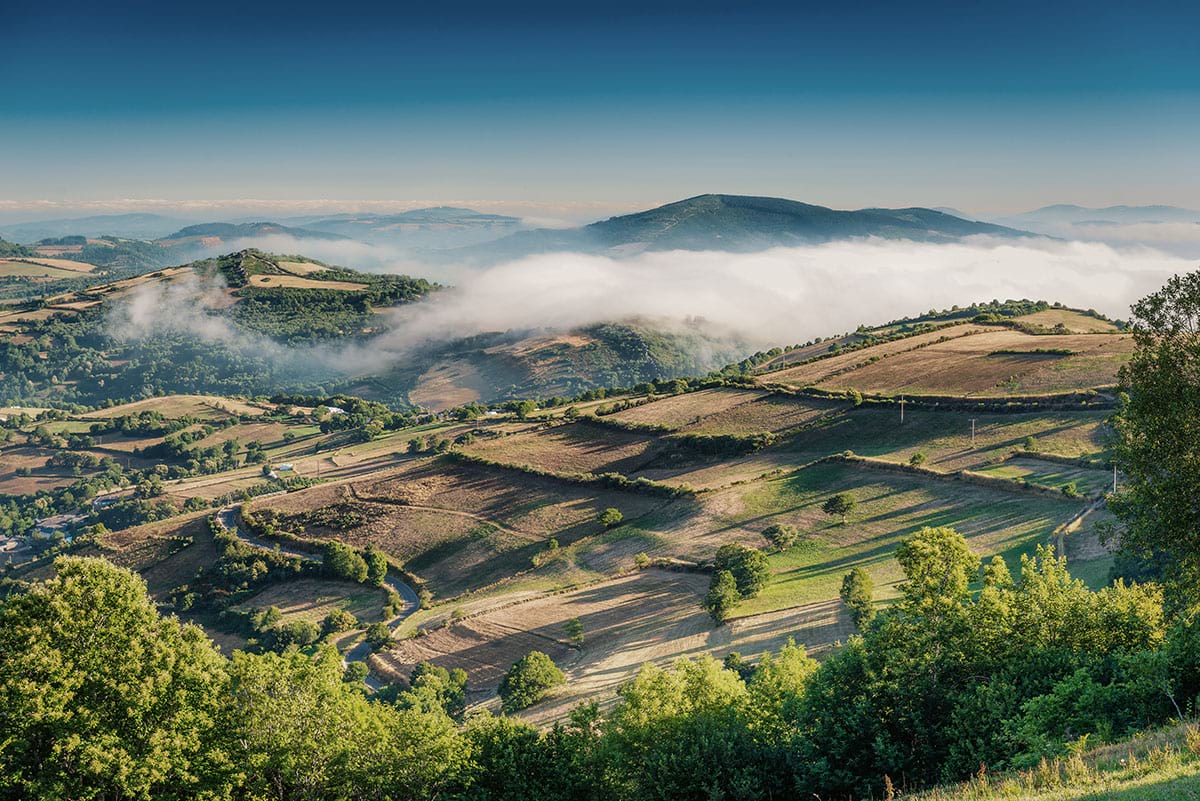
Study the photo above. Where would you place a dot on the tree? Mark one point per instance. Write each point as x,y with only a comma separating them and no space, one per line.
840,505
1157,430
376,566
917,459
781,536
857,592
574,630
102,698
611,517
722,596
528,680
378,635
747,565
338,620
343,562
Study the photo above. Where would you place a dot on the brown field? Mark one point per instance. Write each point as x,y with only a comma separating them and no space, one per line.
298,282
163,562
970,366
825,369
1075,322
203,407
57,250
43,268
771,414
35,459
69,265
313,598
452,382
569,449
300,267
679,411
265,433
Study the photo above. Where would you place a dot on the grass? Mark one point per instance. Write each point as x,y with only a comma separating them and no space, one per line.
1159,766
312,599
891,506
1050,474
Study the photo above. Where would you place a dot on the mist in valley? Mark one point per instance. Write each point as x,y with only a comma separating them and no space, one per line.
727,305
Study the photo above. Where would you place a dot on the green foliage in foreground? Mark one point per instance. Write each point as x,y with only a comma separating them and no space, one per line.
100,697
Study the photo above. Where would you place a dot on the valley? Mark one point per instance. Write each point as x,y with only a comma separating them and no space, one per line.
493,516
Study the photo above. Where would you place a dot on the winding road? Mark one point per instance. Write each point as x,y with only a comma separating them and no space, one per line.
229,520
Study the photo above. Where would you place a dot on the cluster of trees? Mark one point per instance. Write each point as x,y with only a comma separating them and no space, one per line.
738,573
343,562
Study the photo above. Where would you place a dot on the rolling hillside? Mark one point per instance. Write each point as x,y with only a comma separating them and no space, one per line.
495,517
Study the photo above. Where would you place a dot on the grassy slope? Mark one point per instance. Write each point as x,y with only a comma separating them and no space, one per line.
1159,766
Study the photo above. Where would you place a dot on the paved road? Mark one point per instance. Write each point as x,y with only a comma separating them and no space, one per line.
228,518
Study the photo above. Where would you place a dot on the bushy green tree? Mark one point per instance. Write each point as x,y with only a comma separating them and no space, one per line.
102,698
528,680
858,595
377,566
611,517
1157,431
747,565
343,562
840,505
722,596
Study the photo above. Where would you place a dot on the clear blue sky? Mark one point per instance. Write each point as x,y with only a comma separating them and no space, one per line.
984,106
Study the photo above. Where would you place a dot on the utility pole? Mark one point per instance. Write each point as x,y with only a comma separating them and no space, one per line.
973,433
902,402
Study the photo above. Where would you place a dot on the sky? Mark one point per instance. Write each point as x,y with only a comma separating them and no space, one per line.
577,111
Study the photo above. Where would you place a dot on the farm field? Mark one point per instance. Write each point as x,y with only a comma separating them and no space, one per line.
1075,322
510,548
299,282
574,448
457,527
994,363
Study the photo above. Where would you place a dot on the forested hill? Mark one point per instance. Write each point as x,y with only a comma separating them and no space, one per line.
740,223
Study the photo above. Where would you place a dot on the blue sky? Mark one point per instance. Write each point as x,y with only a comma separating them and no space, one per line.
573,110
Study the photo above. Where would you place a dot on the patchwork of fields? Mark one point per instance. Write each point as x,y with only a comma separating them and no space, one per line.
504,534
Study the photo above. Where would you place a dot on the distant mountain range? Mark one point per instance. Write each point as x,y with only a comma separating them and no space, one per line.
1067,214
738,223
447,233
131,226
433,228
231,231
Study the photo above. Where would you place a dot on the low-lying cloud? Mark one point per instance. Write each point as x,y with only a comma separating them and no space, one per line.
749,301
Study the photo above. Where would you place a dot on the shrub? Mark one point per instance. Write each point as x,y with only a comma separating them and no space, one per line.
611,517
917,459
840,505
528,680
780,536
